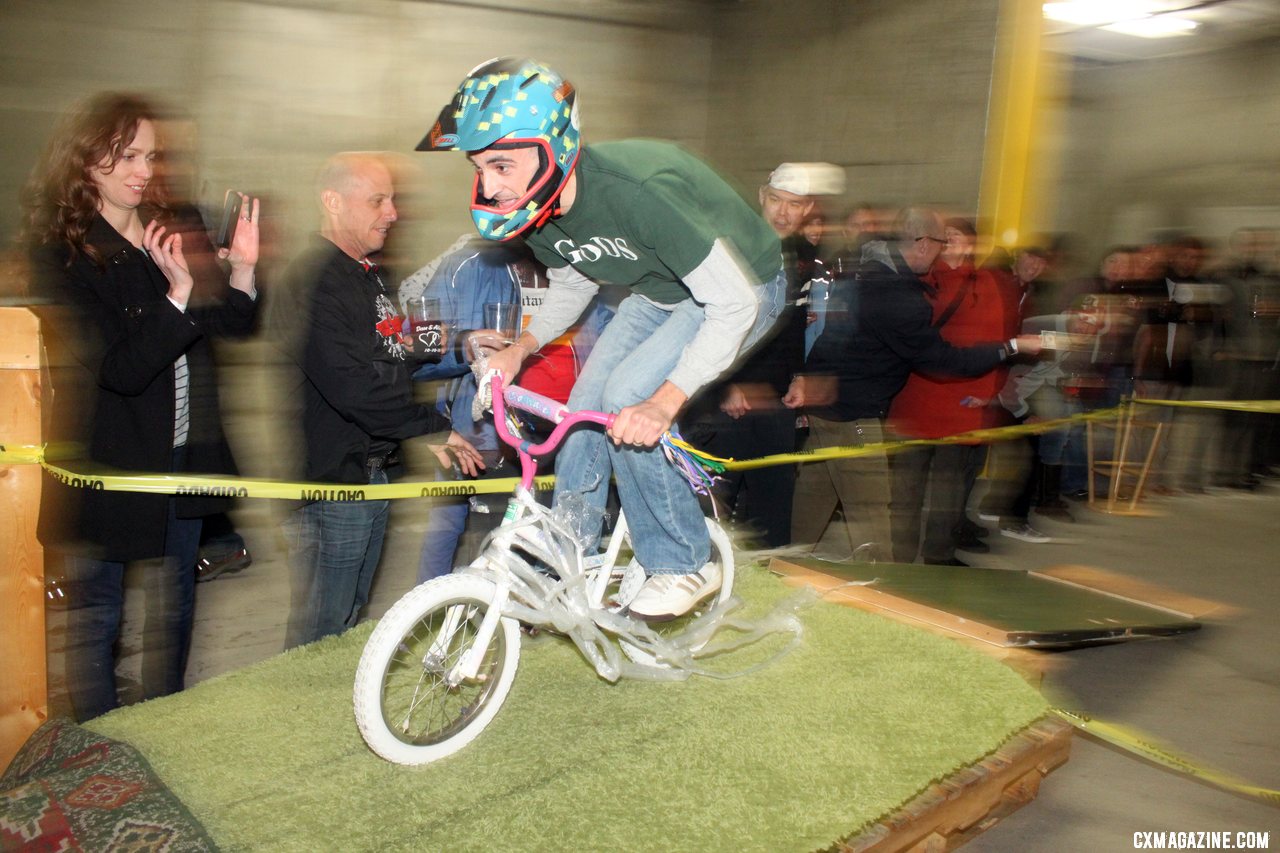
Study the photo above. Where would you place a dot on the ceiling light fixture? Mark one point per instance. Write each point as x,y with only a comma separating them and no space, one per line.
1092,13
1154,27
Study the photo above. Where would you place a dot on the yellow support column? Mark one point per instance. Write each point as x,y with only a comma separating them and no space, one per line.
1017,169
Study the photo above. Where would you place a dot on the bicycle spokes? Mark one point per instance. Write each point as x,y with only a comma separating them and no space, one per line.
440,674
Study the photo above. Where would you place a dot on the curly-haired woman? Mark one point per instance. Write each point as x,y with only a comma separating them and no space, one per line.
127,318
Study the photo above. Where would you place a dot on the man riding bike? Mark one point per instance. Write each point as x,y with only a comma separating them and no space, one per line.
705,273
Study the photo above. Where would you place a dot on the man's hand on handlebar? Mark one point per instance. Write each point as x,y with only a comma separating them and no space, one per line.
487,341
643,424
509,359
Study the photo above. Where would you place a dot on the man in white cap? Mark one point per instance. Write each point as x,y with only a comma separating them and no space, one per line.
789,196
743,417
787,201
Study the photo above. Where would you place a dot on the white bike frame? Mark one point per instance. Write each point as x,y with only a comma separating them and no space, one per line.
520,589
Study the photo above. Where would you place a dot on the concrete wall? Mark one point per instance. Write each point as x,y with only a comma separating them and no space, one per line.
278,86
1190,143
894,92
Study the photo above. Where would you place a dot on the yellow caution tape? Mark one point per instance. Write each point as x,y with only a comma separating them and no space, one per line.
251,487
1260,406
21,454
263,488
1143,746
977,436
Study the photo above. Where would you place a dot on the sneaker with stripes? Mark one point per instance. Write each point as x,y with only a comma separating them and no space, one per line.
666,597
1025,533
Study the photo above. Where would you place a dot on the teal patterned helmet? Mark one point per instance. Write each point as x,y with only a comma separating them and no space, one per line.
513,103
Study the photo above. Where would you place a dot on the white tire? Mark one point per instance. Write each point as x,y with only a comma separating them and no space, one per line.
406,707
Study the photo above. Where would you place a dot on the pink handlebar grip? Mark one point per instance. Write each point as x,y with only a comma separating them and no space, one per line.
535,404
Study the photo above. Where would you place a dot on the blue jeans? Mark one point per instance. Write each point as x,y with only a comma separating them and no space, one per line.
334,548
96,591
635,354
819,293
447,520
1056,446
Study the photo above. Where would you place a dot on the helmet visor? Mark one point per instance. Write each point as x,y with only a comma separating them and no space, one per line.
444,133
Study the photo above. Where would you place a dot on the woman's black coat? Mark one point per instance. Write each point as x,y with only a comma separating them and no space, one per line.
112,337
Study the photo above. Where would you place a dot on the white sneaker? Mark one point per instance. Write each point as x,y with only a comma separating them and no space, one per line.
1026,533
665,597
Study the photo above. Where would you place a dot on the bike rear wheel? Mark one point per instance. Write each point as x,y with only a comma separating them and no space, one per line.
412,704
721,552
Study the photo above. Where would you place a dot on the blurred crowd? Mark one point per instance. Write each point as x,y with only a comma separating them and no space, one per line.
1173,319
900,323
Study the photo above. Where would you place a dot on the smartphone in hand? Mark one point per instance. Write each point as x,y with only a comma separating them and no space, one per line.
230,218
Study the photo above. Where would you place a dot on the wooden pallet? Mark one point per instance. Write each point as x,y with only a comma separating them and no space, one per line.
967,803
23,696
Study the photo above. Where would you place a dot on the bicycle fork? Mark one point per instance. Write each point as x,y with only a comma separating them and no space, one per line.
468,666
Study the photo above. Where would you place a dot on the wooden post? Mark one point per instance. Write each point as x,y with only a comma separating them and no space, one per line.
1120,464
1118,467
24,702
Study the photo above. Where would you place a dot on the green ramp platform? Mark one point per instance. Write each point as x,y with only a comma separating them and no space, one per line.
824,745
1057,608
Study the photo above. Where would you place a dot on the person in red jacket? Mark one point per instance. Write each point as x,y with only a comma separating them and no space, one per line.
968,308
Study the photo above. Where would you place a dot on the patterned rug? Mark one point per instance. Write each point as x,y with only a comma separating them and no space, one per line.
71,789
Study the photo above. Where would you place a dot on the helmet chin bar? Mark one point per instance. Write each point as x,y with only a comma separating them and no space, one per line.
543,191
538,176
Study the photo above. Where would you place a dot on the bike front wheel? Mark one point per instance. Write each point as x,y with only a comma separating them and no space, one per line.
416,698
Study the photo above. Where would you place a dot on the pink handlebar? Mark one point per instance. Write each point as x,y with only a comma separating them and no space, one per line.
543,407
535,404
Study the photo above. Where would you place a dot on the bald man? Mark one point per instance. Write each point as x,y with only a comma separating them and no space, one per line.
349,381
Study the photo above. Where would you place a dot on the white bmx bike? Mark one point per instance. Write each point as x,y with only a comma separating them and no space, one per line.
438,666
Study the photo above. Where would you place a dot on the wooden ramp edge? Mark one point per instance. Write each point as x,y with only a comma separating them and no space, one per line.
1137,591
971,801
24,703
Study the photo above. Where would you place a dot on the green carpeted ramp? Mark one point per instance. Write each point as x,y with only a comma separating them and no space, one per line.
860,718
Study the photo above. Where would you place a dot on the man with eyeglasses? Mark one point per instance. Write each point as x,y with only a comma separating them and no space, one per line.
857,367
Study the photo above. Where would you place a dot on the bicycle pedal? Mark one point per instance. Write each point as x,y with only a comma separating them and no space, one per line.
633,579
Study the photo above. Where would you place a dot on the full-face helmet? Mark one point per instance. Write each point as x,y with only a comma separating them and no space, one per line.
513,103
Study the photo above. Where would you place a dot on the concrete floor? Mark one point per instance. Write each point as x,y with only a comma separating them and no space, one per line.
1213,695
